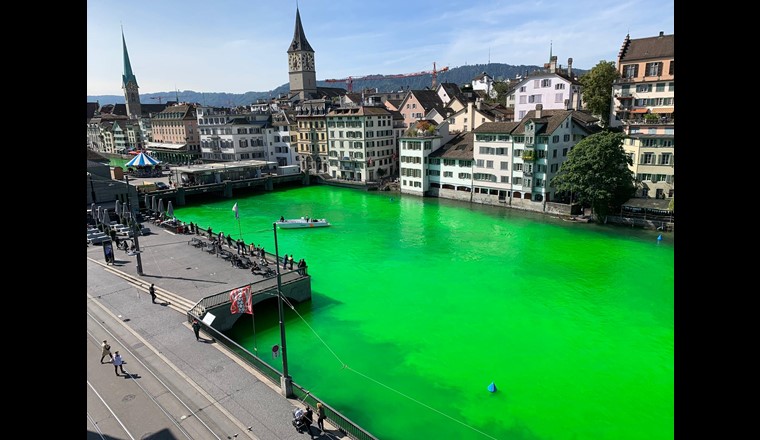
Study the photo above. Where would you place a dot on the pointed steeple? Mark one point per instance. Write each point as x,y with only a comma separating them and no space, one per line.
128,75
299,37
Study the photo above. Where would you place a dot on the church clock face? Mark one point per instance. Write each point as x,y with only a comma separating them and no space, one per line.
292,61
309,62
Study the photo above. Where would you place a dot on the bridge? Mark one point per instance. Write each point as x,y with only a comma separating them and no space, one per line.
227,188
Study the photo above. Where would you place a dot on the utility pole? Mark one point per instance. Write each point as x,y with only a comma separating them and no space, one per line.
286,382
135,227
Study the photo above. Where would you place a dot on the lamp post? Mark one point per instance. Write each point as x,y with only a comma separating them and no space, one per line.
285,380
135,228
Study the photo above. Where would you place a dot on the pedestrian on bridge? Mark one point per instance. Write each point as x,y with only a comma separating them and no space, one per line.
105,350
152,291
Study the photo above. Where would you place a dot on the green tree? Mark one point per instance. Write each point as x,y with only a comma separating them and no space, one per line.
597,90
597,173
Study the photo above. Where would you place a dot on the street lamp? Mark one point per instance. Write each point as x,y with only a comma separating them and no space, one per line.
135,228
285,380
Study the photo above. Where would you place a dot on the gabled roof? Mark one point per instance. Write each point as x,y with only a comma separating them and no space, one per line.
661,46
496,127
459,147
92,107
428,99
482,76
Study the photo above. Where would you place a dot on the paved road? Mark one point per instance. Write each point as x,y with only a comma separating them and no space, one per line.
174,386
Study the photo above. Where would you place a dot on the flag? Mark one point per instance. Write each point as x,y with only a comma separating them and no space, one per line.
235,208
240,300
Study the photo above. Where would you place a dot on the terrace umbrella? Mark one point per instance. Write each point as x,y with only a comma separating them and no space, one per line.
153,206
92,212
170,210
117,208
106,218
147,202
124,211
160,206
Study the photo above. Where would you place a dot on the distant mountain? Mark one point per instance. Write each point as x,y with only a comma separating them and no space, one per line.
457,75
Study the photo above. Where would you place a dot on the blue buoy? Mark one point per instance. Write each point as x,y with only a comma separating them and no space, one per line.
659,237
492,387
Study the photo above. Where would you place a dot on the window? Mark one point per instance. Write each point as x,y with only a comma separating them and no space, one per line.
517,167
559,86
448,174
554,153
671,87
630,71
559,97
660,87
504,165
647,159
489,164
522,89
479,163
644,88
555,138
536,83
564,152
672,67
534,99
523,99
504,179
521,113
654,69
665,159
546,83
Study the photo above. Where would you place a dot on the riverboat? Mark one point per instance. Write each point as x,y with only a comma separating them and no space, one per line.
303,222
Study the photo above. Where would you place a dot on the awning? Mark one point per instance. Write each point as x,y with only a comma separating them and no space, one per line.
638,110
663,110
166,146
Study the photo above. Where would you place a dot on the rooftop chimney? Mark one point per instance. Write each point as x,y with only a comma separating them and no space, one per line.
661,33
553,64
570,67
539,110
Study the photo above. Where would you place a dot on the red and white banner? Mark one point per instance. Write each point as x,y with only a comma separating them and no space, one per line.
241,300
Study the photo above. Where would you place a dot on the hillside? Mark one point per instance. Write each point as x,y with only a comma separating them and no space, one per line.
458,75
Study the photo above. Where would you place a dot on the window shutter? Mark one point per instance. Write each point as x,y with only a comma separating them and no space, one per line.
636,71
659,69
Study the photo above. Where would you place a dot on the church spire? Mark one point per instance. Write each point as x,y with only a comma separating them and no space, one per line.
299,37
128,75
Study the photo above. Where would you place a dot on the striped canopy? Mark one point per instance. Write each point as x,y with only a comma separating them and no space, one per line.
142,160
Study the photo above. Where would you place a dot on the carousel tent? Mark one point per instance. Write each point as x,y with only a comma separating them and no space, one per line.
142,160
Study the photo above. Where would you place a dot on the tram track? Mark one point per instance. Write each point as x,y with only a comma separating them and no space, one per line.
151,403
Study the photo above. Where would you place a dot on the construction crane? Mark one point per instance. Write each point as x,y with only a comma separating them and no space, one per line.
350,80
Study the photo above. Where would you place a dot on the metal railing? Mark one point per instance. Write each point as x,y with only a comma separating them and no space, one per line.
343,423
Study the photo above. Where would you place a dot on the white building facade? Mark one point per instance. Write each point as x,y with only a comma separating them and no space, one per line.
361,143
553,88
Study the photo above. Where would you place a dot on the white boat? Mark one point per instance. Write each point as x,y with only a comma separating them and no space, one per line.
303,222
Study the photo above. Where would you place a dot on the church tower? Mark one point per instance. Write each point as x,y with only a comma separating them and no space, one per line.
303,77
129,84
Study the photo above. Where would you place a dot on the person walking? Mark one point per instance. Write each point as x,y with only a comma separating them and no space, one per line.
197,329
321,416
152,291
284,261
118,363
105,350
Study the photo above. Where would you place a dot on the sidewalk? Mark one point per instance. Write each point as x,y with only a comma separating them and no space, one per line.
217,396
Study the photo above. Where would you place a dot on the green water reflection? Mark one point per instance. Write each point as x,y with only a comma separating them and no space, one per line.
419,304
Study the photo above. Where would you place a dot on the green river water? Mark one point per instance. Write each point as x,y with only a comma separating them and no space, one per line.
419,304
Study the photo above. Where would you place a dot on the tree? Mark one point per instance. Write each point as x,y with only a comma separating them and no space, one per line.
597,173
597,90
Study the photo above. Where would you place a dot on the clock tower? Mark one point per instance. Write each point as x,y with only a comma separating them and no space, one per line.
129,84
303,76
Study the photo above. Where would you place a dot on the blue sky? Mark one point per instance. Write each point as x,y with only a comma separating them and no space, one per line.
239,46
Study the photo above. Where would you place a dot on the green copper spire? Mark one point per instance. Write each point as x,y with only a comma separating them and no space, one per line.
128,75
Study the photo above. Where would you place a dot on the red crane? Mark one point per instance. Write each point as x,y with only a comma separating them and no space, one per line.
350,80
